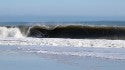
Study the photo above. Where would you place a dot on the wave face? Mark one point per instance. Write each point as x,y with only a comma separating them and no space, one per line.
64,31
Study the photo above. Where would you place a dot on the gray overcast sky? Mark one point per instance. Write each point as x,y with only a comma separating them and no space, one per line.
115,8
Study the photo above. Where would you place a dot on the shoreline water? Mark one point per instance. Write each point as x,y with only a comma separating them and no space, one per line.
92,52
24,61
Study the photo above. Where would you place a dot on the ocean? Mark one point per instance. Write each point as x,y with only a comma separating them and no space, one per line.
62,44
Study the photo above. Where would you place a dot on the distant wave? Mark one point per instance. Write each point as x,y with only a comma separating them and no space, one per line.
64,31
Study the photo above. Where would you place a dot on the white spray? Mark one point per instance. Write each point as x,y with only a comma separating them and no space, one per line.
10,32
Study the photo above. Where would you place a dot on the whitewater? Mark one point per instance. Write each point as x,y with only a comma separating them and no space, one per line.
101,43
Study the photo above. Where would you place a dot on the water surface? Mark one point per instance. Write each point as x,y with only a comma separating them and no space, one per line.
20,60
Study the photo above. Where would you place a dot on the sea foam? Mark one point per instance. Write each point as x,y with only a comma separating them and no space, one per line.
60,42
10,32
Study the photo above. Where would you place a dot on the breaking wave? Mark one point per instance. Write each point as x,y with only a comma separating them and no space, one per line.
10,32
45,39
64,31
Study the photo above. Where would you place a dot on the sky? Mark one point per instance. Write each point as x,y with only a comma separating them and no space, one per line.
94,8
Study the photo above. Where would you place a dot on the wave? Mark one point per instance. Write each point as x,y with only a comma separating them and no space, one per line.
64,31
